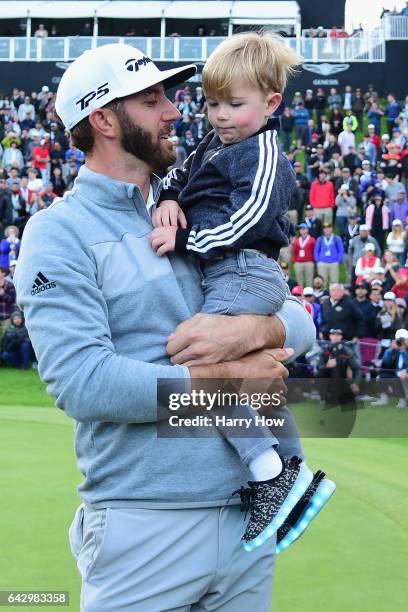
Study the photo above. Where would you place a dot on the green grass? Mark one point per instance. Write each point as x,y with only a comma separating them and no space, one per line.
353,559
22,388
38,486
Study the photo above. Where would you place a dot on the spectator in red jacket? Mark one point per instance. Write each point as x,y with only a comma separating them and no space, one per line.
303,247
401,285
41,157
322,197
374,138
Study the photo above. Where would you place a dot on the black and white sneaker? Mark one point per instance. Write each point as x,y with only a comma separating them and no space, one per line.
271,501
316,496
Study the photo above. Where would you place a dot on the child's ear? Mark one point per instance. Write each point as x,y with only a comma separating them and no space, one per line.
272,102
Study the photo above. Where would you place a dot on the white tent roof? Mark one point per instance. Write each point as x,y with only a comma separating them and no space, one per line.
265,10
213,9
48,9
249,11
134,10
15,10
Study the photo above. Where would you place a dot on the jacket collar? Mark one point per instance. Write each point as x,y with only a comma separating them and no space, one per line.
272,124
108,192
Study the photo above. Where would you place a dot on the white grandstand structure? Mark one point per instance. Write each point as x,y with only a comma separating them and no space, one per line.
170,16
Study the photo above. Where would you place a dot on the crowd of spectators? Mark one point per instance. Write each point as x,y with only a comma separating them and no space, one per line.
349,215
37,164
394,12
86,28
347,257
334,32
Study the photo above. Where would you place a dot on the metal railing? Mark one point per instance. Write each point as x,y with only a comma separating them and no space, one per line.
366,47
395,27
362,47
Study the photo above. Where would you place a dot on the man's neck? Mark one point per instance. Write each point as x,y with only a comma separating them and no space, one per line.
124,168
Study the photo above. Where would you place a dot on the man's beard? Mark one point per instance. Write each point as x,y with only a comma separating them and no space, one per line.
139,143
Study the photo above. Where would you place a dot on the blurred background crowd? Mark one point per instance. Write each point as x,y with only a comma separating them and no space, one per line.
347,257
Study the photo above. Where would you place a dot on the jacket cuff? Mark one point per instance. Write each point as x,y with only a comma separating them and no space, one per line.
181,240
168,194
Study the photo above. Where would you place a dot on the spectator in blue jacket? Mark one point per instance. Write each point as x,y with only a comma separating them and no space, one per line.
74,155
329,254
302,116
374,116
392,111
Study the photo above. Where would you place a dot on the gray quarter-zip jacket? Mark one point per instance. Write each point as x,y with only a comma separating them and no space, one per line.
99,306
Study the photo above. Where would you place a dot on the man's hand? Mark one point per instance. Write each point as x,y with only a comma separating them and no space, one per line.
207,338
262,364
331,363
258,371
163,239
403,375
169,213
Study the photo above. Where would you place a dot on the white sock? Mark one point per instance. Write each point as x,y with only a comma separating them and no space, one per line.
266,466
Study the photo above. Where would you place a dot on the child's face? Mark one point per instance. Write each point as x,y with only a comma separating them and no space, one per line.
243,113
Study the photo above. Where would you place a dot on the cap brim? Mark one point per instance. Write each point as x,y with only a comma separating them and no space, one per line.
178,75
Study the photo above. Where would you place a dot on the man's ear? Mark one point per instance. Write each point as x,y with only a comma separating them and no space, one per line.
272,102
104,122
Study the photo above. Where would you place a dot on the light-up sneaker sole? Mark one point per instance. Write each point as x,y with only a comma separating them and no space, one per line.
300,485
322,495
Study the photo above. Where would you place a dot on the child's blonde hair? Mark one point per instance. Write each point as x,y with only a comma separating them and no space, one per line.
260,58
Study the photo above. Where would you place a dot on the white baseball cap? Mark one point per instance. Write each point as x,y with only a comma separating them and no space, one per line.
371,126
365,227
365,162
106,73
308,291
390,295
401,333
369,246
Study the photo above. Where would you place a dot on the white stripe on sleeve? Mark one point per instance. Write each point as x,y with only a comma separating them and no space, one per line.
252,210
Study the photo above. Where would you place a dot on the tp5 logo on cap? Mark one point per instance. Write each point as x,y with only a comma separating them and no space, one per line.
101,91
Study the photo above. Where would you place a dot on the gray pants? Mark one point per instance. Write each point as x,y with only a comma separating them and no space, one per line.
249,282
329,272
186,560
324,214
304,271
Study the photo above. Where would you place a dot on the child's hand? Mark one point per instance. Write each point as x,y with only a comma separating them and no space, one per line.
163,239
169,213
